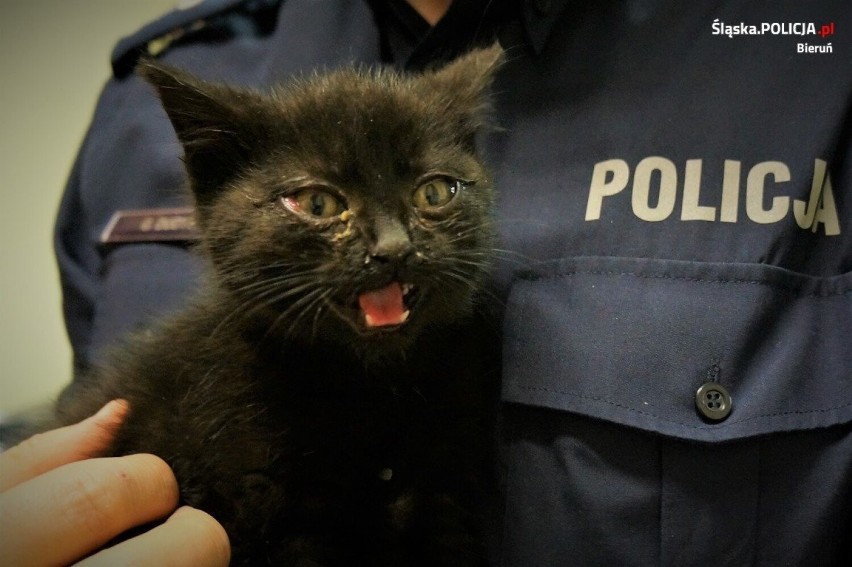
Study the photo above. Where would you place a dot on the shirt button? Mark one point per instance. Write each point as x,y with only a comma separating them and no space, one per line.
713,401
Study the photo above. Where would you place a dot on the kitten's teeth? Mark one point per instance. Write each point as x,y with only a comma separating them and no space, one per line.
406,288
371,321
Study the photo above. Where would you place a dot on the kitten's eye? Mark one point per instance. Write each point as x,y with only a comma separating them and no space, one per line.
314,202
435,193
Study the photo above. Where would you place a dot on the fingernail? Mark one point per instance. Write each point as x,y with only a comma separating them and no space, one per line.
114,410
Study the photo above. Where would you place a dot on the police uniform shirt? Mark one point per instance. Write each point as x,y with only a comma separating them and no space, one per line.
677,373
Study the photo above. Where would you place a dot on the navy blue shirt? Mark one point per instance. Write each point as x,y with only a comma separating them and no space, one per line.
674,191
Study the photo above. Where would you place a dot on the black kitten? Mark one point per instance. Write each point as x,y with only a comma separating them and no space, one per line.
326,396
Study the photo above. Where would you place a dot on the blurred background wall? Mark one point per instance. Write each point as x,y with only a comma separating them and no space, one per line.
54,60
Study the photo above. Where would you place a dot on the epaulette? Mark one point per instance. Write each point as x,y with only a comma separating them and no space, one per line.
211,17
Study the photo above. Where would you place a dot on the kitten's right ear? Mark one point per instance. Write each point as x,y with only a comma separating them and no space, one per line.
461,89
217,125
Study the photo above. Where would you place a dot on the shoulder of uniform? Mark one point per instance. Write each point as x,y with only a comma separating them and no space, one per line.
182,24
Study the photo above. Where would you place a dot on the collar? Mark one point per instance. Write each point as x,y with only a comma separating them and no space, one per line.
539,16
413,42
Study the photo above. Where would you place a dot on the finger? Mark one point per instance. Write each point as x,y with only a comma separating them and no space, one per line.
46,451
189,538
66,513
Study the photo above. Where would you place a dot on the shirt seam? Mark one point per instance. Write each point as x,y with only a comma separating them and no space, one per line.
738,281
726,424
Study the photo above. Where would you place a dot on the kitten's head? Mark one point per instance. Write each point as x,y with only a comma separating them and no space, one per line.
350,206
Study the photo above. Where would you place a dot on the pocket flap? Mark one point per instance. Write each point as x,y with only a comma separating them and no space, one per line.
631,341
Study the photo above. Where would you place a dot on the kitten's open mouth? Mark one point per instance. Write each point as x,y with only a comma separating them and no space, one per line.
383,309
389,306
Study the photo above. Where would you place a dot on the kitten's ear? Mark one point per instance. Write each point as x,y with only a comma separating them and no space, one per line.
218,126
462,88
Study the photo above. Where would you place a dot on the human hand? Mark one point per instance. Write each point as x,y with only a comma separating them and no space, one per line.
58,505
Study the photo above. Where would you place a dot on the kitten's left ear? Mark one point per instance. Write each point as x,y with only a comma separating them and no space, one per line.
462,87
218,126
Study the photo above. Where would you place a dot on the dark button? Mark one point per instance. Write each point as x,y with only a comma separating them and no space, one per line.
543,7
713,401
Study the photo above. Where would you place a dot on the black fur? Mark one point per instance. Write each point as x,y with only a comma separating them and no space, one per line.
314,438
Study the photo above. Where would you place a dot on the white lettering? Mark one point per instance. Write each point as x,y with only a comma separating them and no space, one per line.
608,178
691,190
787,28
720,28
808,48
667,193
805,212
827,212
730,191
654,193
755,185
717,27
820,207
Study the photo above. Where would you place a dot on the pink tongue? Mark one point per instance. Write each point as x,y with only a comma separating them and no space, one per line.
383,306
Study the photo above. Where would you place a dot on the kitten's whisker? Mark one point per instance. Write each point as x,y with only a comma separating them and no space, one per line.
288,267
304,303
463,233
252,303
455,260
522,220
485,292
314,325
469,280
511,255
491,255
461,277
276,281
284,314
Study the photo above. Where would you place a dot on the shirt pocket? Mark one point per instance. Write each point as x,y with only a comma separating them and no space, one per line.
632,340
609,458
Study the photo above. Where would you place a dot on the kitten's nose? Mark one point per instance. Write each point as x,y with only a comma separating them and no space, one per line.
392,243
